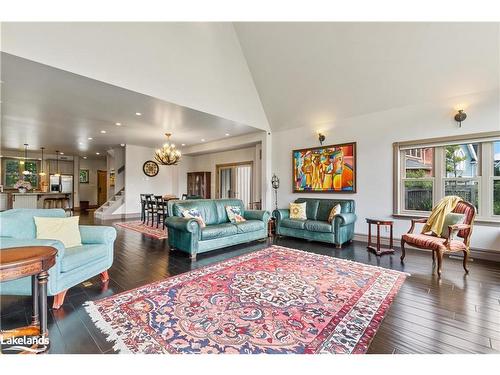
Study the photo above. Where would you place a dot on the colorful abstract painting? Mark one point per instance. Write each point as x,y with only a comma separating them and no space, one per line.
325,169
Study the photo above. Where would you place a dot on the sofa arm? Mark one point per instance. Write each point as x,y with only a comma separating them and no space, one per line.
257,215
281,214
93,234
345,218
183,224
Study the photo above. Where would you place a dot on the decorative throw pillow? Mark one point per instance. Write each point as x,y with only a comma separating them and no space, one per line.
234,214
451,219
64,229
298,211
335,211
194,213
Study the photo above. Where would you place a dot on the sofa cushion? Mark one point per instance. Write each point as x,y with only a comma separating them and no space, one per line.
249,226
64,229
221,204
206,207
217,231
311,207
293,223
318,226
79,256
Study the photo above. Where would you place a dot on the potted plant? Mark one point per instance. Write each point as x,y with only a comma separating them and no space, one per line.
23,186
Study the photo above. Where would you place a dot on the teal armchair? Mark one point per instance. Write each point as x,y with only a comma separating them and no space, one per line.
73,265
316,227
186,234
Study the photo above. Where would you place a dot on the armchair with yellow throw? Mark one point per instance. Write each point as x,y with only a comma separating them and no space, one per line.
449,218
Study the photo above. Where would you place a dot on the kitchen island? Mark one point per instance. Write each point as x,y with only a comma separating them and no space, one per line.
34,199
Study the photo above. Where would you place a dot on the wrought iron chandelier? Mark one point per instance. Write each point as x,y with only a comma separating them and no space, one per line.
168,154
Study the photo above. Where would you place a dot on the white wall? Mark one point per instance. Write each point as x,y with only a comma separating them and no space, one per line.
197,65
374,134
167,181
209,162
88,192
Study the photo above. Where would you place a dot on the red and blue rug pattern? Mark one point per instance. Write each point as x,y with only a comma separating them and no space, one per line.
276,300
150,231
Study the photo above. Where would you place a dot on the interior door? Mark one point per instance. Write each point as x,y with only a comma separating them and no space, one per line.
102,188
235,181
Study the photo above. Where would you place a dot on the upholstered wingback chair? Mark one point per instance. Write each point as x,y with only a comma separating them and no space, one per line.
439,245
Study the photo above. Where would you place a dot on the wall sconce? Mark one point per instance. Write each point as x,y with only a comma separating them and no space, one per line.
460,116
321,138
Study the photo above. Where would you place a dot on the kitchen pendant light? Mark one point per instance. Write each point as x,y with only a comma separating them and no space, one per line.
42,173
168,154
57,174
26,172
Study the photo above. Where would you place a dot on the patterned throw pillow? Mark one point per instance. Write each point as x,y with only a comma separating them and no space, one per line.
335,211
234,214
194,213
451,219
298,211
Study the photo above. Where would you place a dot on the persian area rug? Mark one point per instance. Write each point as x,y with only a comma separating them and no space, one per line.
147,230
276,300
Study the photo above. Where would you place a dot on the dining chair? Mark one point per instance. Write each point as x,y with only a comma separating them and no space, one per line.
161,210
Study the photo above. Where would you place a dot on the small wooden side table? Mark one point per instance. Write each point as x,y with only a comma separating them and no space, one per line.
34,261
271,227
378,249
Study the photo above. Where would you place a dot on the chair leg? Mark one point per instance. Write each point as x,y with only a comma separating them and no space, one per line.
59,299
157,220
104,276
403,251
439,261
466,258
433,257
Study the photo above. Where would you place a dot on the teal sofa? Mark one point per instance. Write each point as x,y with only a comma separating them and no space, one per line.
73,265
317,227
186,235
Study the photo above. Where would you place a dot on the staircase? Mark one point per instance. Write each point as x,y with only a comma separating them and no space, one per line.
109,209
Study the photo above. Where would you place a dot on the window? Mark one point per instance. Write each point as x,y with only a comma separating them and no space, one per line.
461,172
496,178
14,172
418,180
430,170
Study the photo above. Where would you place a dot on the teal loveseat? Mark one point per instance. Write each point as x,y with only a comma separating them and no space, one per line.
186,234
73,265
317,227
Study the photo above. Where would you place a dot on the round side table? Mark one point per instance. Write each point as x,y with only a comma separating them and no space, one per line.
378,249
34,261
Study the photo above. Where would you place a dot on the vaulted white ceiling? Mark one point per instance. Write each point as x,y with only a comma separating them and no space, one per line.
316,73
222,77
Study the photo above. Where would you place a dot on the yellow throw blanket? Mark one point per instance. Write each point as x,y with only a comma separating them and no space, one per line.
436,221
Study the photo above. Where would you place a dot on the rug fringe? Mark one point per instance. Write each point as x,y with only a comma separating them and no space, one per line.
105,328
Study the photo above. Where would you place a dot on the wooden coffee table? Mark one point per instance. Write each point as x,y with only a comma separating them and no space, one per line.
378,249
34,261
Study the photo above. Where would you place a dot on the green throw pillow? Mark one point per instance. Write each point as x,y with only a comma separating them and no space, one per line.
451,219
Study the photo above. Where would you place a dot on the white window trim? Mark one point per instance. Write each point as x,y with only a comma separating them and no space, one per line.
484,178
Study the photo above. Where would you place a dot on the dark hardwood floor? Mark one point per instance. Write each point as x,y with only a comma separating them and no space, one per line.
457,314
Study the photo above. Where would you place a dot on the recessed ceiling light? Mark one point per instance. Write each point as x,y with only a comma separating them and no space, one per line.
203,139
90,138
227,134
61,153
85,157
138,114
183,144
118,124
80,143
97,153
103,131
122,144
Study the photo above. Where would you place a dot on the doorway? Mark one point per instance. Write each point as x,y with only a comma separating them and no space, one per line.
102,188
235,180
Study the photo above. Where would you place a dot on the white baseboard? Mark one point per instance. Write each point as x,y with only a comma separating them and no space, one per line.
486,254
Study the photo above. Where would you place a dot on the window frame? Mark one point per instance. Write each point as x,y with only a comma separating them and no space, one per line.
484,173
20,170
